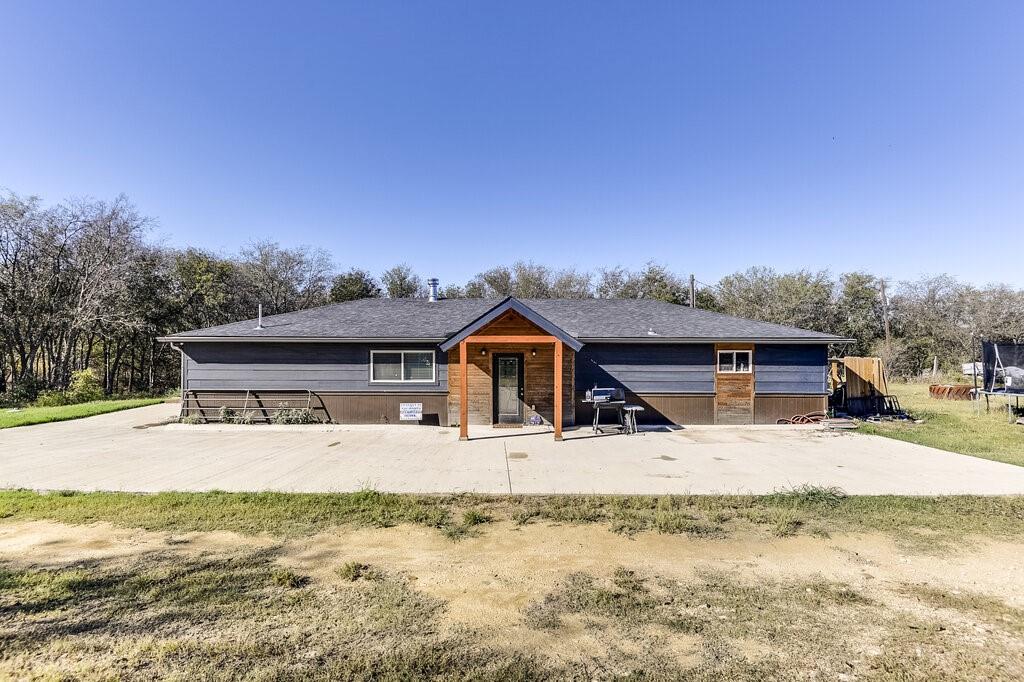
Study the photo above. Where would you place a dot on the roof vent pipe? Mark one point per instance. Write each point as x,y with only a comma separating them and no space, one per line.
432,285
259,316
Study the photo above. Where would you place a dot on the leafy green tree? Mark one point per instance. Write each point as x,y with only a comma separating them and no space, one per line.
354,285
859,311
800,299
401,282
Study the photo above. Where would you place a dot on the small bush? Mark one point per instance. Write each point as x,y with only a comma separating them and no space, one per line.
524,516
454,532
286,578
808,495
299,415
22,392
191,419
227,415
786,525
353,570
52,399
85,386
472,517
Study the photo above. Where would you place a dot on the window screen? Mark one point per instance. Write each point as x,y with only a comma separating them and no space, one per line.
419,366
402,366
387,366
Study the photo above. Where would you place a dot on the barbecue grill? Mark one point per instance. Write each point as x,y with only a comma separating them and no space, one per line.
608,399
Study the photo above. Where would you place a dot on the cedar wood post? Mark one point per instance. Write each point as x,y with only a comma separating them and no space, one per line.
557,420
463,392
464,383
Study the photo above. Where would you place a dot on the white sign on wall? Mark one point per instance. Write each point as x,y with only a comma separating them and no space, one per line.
410,411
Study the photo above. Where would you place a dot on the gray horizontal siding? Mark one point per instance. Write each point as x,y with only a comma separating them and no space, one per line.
335,367
647,368
791,368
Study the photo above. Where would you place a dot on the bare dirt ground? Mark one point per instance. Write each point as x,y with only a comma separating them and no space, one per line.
529,602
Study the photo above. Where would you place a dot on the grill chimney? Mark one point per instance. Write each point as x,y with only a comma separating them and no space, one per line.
432,284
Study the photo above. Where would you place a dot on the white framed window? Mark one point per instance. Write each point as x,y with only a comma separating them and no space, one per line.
735,362
402,367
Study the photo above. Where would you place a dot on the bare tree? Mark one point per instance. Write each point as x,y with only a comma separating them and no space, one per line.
286,279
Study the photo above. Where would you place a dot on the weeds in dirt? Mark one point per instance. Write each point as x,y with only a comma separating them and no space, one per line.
353,571
977,606
224,616
285,578
786,524
473,517
808,495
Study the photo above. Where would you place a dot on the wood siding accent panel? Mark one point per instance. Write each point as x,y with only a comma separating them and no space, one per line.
322,367
660,409
768,409
791,369
734,393
538,383
647,368
339,408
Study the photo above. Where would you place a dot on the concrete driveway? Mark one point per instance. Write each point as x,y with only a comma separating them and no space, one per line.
135,450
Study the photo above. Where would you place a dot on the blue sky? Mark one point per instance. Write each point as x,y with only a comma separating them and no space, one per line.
457,135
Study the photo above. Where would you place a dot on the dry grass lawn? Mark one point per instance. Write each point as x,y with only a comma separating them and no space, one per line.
954,425
514,593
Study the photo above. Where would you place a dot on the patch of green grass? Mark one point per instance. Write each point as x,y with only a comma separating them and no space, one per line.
786,524
354,570
808,495
284,577
954,425
931,520
473,517
43,415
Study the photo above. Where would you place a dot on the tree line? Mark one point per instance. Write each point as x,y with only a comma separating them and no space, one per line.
82,286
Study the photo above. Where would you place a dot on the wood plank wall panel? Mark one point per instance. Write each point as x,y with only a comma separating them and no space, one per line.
538,375
768,409
677,408
647,368
339,408
734,393
326,367
791,369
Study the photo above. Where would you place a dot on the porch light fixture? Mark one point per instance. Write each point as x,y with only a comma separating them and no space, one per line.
533,352
483,351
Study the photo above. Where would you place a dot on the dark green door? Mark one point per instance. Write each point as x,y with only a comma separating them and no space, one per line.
508,388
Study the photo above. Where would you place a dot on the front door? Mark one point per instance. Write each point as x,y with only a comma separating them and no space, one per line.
508,388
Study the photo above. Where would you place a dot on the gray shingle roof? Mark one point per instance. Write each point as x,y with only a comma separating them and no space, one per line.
585,319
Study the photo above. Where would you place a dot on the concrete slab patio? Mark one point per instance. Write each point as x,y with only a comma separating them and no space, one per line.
137,451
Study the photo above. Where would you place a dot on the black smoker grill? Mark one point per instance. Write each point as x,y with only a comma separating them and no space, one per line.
608,399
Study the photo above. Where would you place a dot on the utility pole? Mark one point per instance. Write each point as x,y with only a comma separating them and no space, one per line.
693,291
885,313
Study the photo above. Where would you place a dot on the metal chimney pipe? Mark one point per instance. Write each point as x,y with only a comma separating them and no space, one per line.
432,284
259,316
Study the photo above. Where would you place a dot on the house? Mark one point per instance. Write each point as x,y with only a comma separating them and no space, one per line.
456,362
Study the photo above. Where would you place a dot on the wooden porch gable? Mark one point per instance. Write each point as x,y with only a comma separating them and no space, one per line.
512,331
